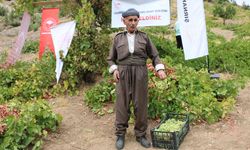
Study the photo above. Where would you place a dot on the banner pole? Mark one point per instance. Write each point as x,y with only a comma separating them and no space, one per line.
207,61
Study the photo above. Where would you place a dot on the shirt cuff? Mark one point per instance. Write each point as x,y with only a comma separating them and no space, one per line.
159,67
112,68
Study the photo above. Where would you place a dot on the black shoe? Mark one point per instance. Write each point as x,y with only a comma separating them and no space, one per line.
144,141
120,142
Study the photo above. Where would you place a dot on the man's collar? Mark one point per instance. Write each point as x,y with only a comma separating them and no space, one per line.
126,31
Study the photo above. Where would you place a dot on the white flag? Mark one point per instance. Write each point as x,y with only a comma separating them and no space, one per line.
191,17
62,36
152,12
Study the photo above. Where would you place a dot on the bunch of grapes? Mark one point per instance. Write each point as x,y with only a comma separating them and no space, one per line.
165,129
171,125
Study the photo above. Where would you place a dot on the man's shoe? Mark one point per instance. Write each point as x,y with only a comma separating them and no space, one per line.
144,141
120,142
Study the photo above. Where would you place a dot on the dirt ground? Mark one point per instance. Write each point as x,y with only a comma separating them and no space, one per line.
83,130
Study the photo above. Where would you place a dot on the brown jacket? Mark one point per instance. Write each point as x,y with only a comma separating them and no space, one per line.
143,49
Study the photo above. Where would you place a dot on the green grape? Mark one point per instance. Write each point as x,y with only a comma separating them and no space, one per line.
170,125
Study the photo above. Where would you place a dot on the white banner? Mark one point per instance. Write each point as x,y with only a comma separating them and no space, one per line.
191,17
152,12
62,36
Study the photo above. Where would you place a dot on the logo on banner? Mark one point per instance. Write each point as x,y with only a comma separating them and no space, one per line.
47,24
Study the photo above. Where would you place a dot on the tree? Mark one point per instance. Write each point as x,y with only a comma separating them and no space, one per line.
224,10
90,47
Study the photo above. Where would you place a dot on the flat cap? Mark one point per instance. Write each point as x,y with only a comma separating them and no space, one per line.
131,12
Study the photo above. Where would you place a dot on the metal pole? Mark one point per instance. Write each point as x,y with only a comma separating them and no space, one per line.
207,63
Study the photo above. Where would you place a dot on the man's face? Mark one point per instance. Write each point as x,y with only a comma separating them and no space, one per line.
131,23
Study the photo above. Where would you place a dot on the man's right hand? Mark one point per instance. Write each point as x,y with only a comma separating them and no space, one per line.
116,75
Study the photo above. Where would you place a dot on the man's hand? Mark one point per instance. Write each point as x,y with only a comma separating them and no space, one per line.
161,74
116,75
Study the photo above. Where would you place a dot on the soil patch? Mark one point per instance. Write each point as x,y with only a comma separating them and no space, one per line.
82,129
227,34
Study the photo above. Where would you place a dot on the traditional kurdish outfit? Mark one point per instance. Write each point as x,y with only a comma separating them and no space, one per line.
129,55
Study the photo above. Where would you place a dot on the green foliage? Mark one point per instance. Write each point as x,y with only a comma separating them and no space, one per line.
21,6
90,47
224,10
26,130
169,50
241,30
3,11
35,22
30,47
88,50
225,56
24,5
193,92
26,81
21,87
102,10
221,1
100,94
185,91
231,57
3,56
12,19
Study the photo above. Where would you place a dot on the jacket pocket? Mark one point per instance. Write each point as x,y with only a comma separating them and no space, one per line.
142,45
122,51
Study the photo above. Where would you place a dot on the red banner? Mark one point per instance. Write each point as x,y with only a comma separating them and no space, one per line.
49,19
16,49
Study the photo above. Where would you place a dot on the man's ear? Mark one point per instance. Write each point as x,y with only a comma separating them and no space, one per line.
123,20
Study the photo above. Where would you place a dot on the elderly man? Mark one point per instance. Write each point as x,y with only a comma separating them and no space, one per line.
127,61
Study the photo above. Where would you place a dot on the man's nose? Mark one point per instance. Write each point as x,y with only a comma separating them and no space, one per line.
134,22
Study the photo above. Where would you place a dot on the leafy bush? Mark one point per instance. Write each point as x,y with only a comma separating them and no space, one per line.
35,22
29,123
102,10
168,49
224,56
3,11
241,30
26,81
224,10
89,48
190,91
30,47
100,94
12,19
231,57
184,91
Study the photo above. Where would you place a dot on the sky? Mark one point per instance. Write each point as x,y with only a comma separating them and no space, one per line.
240,2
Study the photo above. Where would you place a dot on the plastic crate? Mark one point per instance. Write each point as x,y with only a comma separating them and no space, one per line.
170,140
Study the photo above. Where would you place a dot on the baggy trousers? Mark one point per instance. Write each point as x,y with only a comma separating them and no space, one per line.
132,86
